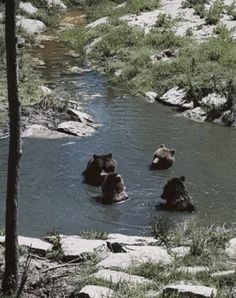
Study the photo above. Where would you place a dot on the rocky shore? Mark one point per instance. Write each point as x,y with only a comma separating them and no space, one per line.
121,266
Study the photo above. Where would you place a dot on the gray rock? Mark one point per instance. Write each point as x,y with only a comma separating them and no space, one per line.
117,276
136,255
130,240
151,96
80,116
28,8
40,131
153,294
89,47
75,128
197,114
30,26
229,117
231,249
58,3
37,246
192,270
223,273
191,291
213,101
46,91
91,291
97,22
77,247
176,97
180,251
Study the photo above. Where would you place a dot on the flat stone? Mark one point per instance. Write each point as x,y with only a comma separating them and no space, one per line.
223,273
130,240
214,101
30,26
151,96
180,251
231,249
80,116
40,131
75,128
28,8
37,246
192,270
136,255
117,276
91,291
76,247
197,114
176,97
191,291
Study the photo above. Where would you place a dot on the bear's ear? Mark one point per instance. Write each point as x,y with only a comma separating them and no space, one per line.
95,156
172,151
182,178
109,155
162,146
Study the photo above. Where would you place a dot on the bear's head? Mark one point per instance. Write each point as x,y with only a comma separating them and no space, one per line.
96,166
113,189
163,158
176,195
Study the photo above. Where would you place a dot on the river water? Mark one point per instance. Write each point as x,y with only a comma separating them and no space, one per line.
52,195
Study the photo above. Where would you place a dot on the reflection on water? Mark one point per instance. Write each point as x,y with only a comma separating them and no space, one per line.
52,194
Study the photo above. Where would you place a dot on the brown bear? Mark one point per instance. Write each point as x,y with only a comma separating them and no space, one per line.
163,158
176,196
113,189
97,165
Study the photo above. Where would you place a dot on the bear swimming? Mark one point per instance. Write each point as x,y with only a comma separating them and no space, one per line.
176,196
113,189
97,165
163,158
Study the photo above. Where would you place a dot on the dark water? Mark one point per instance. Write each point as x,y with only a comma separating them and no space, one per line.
52,194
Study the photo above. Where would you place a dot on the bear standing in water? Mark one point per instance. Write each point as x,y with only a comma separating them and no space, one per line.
176,196
113,189
163,158
97,165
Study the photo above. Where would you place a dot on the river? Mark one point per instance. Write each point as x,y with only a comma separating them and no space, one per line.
52,195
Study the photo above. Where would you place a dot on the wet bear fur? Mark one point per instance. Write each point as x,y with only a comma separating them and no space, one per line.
113,189
176,196
163,158
97,165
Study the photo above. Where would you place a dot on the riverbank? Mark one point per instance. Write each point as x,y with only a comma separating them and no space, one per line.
188,260
179,54
44,113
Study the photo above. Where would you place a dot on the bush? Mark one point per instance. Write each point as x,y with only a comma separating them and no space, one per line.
214,14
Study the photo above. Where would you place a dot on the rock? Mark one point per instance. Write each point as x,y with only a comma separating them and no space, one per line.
186,290
130,240
37,246
80,116
40,131
45,37
90,291
74,247
136,255
153,294
58,3
223,273
229,117
192,270
75,128
46,91
28,8
213,101
117,277
180,251
72,54
20,41
166,55
231,249
151,96
97,22
196,114
38,62
89,47
176,97
30,26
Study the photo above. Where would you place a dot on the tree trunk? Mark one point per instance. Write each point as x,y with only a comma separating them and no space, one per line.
10,279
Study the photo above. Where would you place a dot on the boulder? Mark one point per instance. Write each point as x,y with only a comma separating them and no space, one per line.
75,128
117,277
91,291
180,251
229,117
74,247
79,116
197,114
231,249
176,97
37,246
30,26
151,96
40,131
28,8
136,255
191,291
213,101
130,240
58,3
